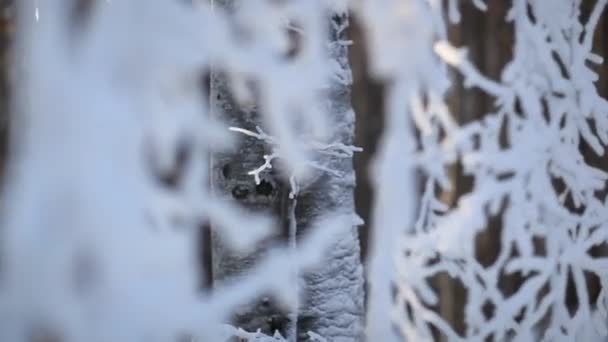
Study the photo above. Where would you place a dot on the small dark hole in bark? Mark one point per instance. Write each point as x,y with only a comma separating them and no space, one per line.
226,171
265,303
277,322
264,188
240,192
337,19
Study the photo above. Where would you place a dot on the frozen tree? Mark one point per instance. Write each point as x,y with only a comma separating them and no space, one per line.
332,298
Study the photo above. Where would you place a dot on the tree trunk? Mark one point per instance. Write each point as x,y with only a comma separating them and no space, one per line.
231,181
333,293
333,305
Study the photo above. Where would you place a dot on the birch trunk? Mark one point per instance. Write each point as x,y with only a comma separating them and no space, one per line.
332,303
333,300
230,181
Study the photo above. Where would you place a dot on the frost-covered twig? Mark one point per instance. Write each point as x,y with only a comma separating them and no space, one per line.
336,149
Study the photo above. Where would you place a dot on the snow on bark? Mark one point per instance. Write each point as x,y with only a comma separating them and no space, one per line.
333,297
231,182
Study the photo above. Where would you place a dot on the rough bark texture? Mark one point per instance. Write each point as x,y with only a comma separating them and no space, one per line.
231,181
333,293
333,305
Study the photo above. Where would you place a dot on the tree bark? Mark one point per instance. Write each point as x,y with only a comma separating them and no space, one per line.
333,304
231,182
333,293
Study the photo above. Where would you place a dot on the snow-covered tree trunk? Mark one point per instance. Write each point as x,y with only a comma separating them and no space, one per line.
332,303
231,181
